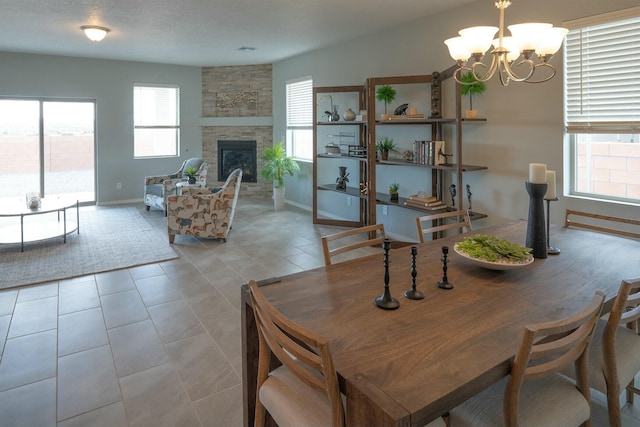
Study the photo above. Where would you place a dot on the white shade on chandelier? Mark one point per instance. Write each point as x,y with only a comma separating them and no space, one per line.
94,32
541,39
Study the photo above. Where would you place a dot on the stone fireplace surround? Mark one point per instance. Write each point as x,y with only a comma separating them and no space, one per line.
237,106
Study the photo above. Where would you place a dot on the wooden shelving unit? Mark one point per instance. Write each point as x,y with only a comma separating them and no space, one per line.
368,130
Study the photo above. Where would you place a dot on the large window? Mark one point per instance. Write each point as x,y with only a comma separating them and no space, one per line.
602,105
47,146
300,118
156,111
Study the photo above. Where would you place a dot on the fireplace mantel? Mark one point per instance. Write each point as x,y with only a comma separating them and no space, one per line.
236,121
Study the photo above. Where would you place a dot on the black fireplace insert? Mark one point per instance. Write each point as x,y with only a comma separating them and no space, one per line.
237,154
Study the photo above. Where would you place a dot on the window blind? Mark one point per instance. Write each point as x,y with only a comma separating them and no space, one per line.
156,106
602,77
299,104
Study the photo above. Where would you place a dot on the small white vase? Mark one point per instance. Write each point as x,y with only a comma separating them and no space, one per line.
278,198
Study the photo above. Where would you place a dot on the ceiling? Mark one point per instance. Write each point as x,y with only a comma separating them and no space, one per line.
200,32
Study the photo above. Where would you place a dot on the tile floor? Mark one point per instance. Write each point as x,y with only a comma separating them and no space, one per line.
155,345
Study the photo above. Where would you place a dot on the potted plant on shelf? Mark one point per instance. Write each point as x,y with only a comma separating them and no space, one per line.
384,146
276,165
191,173
393,192
473,87
385,94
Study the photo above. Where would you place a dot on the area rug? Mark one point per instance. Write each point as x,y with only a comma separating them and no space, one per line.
110,238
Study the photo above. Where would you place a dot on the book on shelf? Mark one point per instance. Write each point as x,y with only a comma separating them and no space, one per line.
429,152
426,201
434,206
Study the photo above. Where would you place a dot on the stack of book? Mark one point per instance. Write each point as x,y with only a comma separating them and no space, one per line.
426,203
429,152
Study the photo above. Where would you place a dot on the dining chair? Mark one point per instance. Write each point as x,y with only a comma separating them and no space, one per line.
343,236
614,356
443,222
603,223
304,389
534,394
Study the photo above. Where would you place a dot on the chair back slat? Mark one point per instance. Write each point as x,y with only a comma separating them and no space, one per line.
437,223
375,230
547,348
305,354
603,223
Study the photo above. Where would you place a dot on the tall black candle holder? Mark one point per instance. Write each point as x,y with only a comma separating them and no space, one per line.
385,300
413,293
551,250
536,237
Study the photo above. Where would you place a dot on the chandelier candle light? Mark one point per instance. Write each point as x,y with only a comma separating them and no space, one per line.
517,52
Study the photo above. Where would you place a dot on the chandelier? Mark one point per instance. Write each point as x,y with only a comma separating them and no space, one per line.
531,46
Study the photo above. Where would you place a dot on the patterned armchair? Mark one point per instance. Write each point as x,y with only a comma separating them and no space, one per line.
158,188
203,212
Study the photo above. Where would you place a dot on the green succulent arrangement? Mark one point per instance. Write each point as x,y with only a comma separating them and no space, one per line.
393,188
491,248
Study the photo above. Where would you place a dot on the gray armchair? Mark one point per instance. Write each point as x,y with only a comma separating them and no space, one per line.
158,188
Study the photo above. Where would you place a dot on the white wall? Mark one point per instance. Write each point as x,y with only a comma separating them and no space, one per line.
110,83
524,121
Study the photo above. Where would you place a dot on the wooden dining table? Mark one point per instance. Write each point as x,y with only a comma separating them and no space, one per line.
408,366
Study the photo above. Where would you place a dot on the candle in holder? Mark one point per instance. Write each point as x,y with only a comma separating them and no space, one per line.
551,185
537,173
413,111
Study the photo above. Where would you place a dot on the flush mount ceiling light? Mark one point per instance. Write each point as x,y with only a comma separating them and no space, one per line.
519,51
94,32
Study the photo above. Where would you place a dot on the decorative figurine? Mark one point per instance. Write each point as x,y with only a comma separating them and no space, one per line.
341,181
444,283
401,110
452,191
469,194
413,293
386,301
364,188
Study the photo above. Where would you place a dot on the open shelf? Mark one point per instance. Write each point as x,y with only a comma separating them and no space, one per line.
349,191
451,167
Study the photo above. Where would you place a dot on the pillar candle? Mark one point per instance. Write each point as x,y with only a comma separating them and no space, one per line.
551,185
413,111
537,173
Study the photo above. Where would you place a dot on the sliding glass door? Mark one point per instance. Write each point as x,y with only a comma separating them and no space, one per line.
47,147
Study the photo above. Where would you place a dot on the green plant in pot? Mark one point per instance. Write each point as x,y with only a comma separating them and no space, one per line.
384,146
192,174
393,191
276,165
471,87
385,94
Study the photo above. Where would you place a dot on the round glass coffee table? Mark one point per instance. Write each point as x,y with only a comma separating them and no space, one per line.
51,222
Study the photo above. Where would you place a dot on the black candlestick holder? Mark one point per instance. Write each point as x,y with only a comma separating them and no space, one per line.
551,250
386,301
444,283
413,293
536,236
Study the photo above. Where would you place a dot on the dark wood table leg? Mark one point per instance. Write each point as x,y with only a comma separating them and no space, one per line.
250,353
